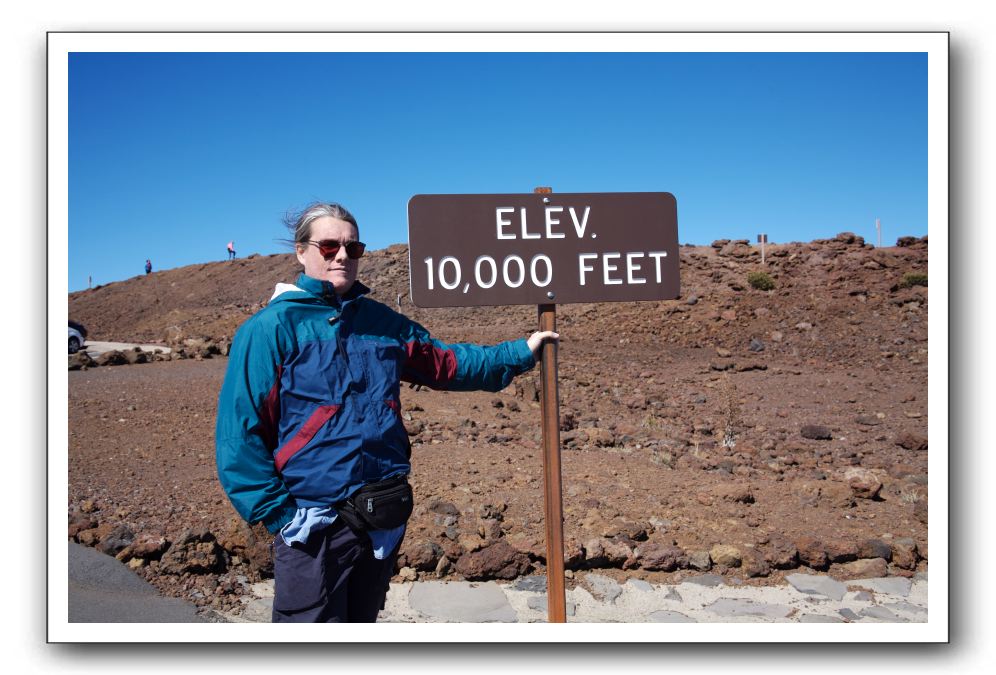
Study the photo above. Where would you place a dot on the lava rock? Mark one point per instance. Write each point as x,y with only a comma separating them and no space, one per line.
754,564
81,360
727,556
665,558
869,568
112,358
812,553
423,555
816,432
874,548
840,550
904,553
863,482
911,441
497,561
116,540
700,560
195,552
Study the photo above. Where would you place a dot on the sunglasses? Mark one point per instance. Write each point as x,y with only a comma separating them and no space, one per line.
329,248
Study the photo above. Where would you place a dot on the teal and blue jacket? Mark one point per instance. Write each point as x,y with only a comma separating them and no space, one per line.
310,408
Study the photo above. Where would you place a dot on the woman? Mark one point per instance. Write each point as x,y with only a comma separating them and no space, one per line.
309,420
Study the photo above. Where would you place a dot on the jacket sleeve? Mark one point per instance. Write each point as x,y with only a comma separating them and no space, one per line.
246,431
462,366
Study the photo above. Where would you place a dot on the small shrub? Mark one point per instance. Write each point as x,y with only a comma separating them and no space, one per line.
731,416
909,496
911,279
762,281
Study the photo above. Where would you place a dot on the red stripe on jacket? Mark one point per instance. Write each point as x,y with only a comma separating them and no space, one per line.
269,413
307,431
430,365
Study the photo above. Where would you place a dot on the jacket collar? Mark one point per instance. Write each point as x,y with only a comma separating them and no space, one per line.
326,291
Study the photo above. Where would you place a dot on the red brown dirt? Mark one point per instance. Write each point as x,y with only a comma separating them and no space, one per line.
649,393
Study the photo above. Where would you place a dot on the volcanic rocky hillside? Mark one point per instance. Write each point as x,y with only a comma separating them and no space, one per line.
850,294
737,430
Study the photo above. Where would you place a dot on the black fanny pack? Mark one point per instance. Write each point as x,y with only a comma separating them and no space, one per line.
378,506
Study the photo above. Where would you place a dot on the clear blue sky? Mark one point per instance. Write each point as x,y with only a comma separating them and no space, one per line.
172,155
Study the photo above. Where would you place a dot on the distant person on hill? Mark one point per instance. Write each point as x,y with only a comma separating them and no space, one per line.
231,250
148,266
310,440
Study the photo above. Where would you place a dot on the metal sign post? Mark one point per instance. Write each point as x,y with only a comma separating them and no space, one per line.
552,488
762,239
878,229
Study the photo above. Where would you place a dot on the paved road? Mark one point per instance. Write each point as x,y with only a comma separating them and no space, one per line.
95,348
102,589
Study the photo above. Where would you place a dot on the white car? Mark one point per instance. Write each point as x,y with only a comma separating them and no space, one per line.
77,336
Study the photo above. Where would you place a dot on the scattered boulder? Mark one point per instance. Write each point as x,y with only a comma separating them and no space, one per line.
203,348
754,564
626,529
195,552
781,553
734,493
665,558
136,355
602,438
850,238
867,420
493,511
868,568
904,553
79,522
601,552
533,547
837,495
146,545
422,555
874,548
253,544
112,358
81,360
573,554
841,551
700,560
497,561
863,482
444,508
911,441
114,541
727,556
812,552
816,432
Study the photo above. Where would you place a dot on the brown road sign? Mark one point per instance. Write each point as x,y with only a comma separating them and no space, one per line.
534,249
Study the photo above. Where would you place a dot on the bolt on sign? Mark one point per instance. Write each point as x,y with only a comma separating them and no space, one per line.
535,249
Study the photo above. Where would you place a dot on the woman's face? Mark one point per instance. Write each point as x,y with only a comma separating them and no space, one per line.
340,270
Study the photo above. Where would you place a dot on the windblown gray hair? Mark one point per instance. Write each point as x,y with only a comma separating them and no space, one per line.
299,224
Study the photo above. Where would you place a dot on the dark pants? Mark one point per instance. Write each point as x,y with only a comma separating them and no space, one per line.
333,578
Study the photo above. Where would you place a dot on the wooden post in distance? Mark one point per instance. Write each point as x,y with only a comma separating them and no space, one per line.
552,488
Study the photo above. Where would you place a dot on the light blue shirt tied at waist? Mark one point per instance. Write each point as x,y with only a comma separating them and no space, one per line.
315,518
